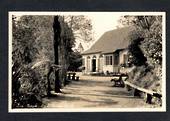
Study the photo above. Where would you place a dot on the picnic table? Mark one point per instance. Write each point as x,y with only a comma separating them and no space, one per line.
72,76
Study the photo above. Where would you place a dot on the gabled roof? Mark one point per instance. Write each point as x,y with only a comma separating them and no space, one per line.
112,40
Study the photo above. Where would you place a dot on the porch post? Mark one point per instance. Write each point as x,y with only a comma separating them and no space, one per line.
90,62
97,64
85,64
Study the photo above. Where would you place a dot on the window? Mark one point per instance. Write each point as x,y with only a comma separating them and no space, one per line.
108,60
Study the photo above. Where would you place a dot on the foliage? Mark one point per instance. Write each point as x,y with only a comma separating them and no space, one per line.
22,42
137,57
26,88
145,76
75,61
32,42
74,27
81,27
32,35
148,74
149,28
152,44
64,41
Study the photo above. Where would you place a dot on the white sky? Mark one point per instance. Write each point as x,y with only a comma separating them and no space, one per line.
103,22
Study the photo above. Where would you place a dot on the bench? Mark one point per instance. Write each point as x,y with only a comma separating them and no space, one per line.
118,80
149,93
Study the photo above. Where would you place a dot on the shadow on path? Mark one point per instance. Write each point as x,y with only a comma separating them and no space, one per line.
93,92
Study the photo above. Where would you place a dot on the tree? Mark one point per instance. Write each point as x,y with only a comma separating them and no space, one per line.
81,27
41,45
25,84
63,44
75,61
137,58
57,42
150,29
23,47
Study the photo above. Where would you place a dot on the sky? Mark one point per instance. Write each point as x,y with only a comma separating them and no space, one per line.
101,23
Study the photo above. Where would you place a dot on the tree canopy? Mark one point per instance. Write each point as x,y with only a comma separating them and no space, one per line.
149,28
148,74
81,26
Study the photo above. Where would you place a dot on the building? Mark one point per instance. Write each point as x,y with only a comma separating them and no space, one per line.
109,52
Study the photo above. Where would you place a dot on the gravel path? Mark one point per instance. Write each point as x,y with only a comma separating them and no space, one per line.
94,92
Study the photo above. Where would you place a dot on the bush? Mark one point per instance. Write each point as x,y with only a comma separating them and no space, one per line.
145,76
26,89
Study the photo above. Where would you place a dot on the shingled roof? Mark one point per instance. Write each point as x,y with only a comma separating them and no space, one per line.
112,40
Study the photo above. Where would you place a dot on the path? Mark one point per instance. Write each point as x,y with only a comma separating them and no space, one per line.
94,92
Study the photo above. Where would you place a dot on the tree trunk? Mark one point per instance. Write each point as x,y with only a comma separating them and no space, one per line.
63,51
57,40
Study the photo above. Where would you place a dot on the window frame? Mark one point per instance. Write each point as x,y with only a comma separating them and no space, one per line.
108,60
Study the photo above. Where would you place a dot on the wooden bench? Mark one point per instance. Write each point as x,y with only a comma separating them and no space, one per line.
149,93
118,80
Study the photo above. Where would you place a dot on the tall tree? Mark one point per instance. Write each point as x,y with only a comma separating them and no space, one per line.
63,44
57,43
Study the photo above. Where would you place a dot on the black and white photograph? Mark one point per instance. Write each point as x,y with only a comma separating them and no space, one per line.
86,61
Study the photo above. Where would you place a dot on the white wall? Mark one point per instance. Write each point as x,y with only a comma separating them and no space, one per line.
100,62
121,56
107,67
88,62
115,68
122,69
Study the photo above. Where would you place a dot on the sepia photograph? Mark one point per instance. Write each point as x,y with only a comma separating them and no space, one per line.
86,61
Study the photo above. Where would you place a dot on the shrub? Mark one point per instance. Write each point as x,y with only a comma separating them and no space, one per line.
26,89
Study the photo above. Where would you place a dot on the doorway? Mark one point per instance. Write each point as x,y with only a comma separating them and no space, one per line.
93,65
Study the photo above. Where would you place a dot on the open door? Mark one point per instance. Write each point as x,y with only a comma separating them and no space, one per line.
93,65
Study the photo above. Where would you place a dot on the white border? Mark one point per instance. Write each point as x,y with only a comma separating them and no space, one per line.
19,13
